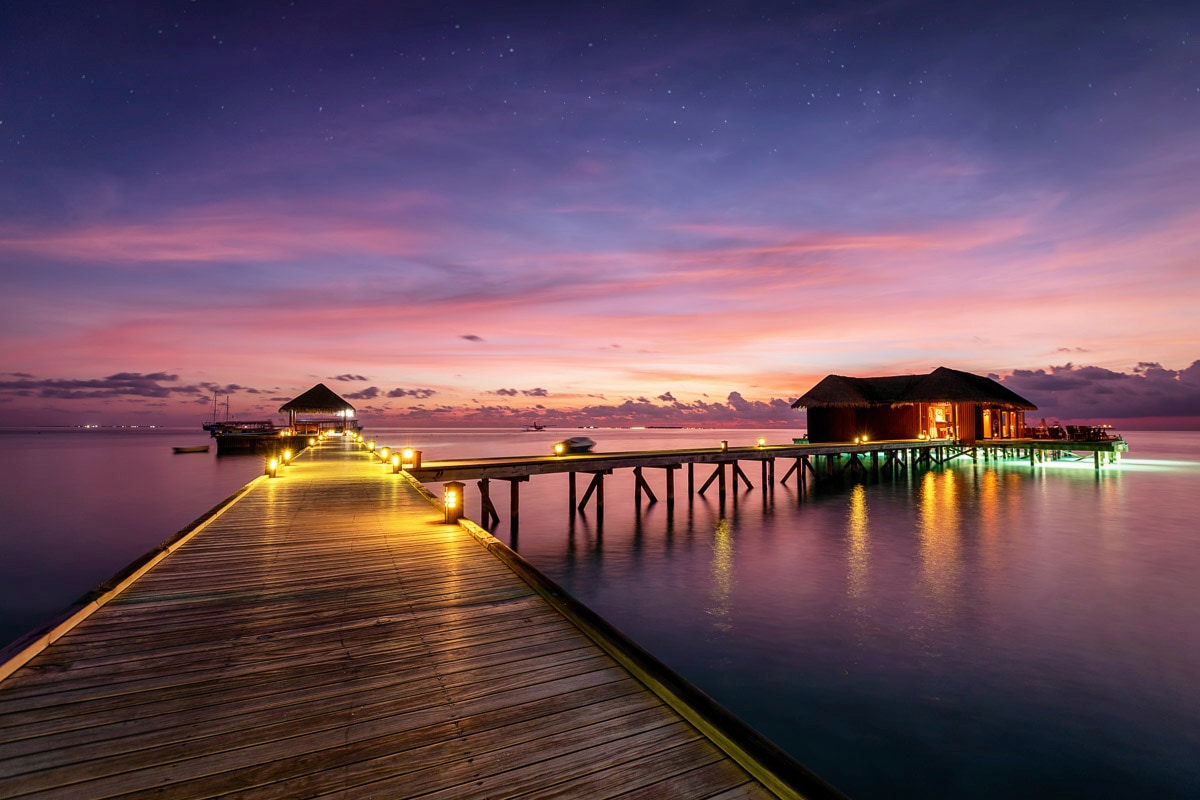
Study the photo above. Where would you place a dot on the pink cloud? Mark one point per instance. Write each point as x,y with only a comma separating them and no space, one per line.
223,232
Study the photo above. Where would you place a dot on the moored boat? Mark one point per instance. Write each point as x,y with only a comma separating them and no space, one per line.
200,448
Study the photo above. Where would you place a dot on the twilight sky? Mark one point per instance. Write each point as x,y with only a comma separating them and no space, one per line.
625,213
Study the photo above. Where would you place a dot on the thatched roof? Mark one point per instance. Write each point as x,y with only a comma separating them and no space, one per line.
945,385
841,391
320,399
940,386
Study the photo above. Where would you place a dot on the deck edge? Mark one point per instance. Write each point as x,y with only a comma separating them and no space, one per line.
19,652
761,758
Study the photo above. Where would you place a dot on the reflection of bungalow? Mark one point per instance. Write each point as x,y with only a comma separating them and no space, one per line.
945,404
323,410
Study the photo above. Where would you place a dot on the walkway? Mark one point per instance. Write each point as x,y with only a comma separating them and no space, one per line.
328,635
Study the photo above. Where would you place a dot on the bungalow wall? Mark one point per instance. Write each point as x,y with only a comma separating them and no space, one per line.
827,425
831,425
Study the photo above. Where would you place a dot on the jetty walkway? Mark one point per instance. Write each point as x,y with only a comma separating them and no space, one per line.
327,634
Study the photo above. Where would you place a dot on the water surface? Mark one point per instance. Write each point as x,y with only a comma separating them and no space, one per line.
984,630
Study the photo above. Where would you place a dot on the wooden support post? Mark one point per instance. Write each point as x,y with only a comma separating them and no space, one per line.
738,474
875,462
596,487
718,471
691,480
571,491
670,477
487,510
642,486
1096,455
514,504
721,484
763,464
791,470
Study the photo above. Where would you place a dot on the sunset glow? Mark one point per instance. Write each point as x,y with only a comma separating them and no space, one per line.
609,215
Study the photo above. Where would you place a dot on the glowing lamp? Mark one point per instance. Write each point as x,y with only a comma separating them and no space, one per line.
452,500
864,440
311,441
383,453
395,464
559,449
272,467
287,457
762,442
371,445
724,445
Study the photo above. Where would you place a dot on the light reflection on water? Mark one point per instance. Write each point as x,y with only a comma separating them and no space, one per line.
988,630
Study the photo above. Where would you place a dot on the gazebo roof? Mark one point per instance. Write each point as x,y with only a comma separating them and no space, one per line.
943,385
320,399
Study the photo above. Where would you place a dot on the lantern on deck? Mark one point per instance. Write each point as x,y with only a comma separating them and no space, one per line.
452,500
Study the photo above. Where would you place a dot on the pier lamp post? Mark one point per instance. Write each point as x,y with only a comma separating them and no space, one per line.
287,457
272,467
762,442
371,445
724,445
410,459
311,441
559,449
395,463
383,453
452,500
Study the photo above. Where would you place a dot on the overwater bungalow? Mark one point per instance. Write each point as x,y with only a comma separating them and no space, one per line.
324,410
945,404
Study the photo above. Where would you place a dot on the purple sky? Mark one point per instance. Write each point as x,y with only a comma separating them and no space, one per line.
668,213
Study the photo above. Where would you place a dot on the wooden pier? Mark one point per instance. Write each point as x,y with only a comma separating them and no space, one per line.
816,462
326,633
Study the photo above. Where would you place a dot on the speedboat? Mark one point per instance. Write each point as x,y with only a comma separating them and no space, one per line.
576,444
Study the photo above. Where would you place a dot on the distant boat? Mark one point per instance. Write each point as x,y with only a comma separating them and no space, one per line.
576,444
199,448
535,427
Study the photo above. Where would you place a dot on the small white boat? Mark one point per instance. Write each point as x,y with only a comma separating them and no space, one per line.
200,448
576,444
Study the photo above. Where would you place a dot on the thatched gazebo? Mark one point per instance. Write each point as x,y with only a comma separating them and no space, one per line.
334,413
945,404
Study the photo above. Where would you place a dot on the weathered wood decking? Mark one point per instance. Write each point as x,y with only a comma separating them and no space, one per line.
328,635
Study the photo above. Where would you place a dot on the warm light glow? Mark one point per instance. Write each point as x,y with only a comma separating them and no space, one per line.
762,442
273,464
559,448
408,455
395,461
724,445
371,445
383,453
311,441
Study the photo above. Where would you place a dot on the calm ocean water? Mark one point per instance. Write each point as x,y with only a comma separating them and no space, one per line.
984,631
